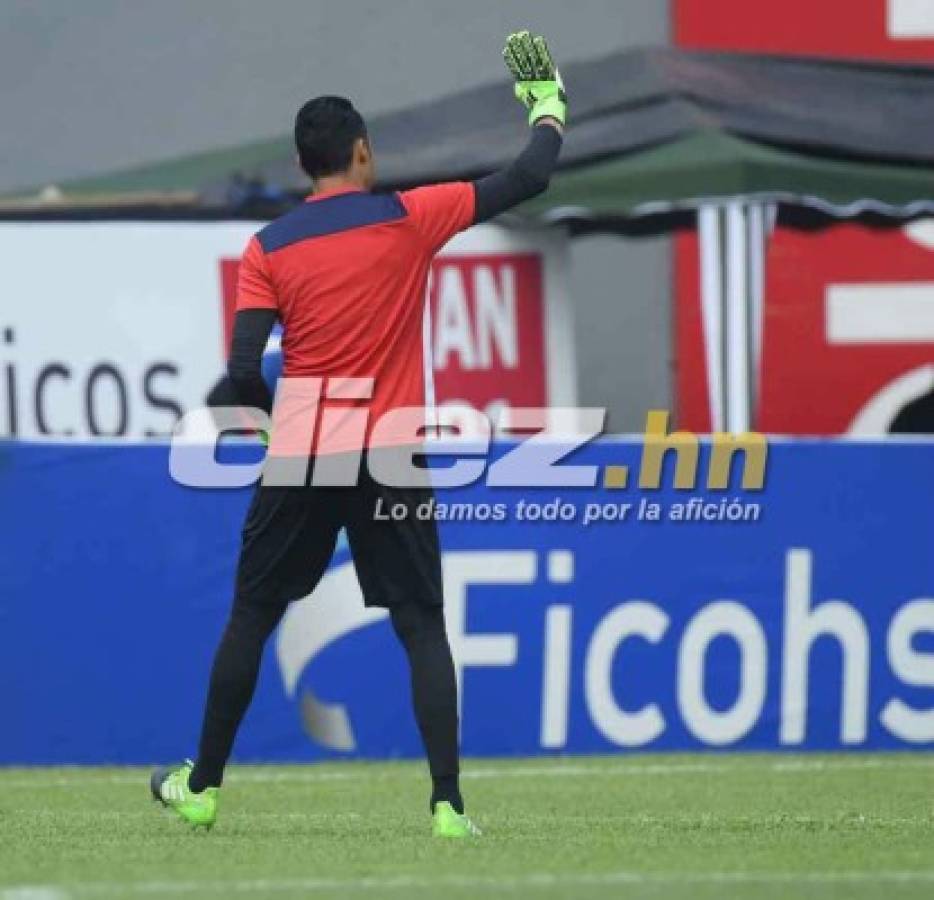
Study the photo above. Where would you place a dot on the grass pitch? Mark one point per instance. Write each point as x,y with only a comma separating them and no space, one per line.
657,827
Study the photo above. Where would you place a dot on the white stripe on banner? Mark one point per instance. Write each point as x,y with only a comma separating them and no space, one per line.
910,18
880,313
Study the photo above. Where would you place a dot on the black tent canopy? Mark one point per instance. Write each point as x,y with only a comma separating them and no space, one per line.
650,129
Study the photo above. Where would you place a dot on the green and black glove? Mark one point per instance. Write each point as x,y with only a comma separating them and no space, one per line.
538,82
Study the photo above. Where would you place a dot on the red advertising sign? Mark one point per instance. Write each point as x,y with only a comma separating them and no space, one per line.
850,314
488,330
847,310
875,29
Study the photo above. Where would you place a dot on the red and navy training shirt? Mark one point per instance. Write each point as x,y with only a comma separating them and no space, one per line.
347,273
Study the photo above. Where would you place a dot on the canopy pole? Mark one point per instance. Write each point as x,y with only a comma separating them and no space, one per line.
761,222
739,368
710,231
756,224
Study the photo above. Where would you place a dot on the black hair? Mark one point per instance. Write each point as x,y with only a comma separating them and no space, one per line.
325,131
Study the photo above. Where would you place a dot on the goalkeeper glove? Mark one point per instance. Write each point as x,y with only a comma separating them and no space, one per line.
538,82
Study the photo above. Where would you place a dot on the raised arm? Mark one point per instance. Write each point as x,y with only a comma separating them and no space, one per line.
526,177
540,89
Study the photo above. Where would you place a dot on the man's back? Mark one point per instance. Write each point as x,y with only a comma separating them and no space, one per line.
346,273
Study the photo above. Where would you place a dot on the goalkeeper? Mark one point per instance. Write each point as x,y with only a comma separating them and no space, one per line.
345,273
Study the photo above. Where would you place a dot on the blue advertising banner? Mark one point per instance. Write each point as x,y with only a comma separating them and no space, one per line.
798,617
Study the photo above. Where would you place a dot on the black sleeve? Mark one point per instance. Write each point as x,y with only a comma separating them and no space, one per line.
244,368
222,394
524,178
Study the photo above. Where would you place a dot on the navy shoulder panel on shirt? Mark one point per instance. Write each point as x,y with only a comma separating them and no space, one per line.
317,218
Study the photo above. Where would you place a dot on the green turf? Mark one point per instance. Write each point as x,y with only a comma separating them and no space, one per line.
657,827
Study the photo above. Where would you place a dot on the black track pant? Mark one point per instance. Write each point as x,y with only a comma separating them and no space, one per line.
288,539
